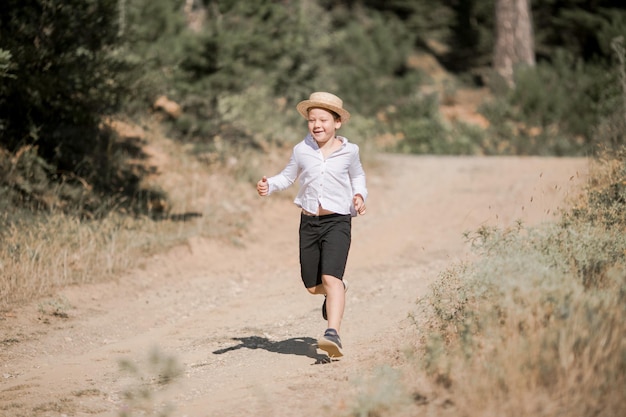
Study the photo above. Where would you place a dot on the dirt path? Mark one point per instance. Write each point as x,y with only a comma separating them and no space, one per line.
236,318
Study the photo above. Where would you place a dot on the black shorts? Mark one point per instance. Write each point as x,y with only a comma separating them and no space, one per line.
324,246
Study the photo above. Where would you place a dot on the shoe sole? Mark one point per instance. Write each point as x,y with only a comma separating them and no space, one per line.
331,348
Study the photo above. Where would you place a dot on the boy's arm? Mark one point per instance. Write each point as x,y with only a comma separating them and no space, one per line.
357,177
286,177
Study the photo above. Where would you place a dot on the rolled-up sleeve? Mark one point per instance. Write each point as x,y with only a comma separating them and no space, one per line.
286,177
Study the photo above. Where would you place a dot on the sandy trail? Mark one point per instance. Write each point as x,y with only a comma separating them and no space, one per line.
236,318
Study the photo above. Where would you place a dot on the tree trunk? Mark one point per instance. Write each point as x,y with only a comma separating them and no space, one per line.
514,44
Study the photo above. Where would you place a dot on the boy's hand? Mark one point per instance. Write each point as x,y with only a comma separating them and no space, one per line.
262,187
359,204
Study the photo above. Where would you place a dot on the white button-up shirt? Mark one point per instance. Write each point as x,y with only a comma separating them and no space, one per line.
330,183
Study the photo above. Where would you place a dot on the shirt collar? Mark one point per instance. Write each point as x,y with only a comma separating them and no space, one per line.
309,139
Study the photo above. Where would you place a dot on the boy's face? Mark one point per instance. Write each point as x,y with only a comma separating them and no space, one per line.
322,125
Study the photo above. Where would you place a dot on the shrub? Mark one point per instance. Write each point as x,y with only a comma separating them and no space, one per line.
62,75
369,61
418,122
540,314
63,71
554,108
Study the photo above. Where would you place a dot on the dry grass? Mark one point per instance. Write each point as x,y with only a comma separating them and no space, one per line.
536,326
50,251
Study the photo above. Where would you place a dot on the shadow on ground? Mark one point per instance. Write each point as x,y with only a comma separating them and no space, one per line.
303,346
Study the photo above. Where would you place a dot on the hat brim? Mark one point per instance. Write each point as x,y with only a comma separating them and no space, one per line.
304,106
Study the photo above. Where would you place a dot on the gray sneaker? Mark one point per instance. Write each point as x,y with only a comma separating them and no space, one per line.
324,314
331,343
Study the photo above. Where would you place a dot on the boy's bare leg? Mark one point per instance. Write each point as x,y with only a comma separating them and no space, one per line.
335,300
317,290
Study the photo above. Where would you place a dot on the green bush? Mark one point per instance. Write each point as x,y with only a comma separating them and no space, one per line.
64,72
554,109
233,65
418,122
369,61
63,75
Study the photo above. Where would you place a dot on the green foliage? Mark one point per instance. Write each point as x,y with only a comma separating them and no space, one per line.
155,34
425,20
418,120
63,73
423,131
234,65
582,27
568,92
567,107
236,46
109,177
286,50
371,53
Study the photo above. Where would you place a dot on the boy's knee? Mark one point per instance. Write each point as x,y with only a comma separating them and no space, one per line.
330,280
312,290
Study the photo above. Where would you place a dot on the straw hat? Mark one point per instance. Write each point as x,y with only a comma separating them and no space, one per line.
325,101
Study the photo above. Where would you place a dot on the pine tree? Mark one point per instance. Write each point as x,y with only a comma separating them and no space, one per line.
61,76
